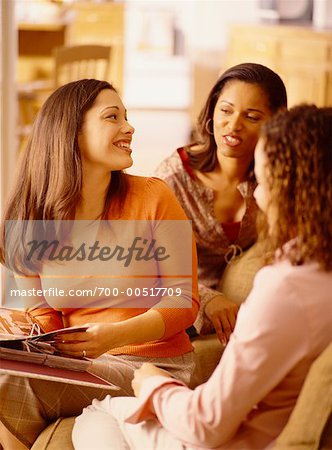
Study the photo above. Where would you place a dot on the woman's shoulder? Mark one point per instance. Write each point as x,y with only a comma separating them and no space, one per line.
151,187
295,297
300,280
141,182
170,166
153,195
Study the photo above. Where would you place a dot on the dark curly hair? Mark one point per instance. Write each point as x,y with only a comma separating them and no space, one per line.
298,147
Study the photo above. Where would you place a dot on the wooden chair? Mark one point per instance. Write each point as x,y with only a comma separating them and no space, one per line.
27,110
81,61
70,64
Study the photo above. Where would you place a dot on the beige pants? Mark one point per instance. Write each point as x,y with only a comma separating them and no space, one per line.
28,405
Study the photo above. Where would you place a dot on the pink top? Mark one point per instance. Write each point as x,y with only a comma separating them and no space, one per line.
281,328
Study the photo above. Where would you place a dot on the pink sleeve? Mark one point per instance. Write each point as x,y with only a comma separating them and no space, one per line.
269,340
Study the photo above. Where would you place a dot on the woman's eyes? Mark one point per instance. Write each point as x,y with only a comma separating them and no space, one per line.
253,118
115,117
228,112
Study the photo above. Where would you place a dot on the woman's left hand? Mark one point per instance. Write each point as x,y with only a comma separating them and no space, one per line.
96,340
146,370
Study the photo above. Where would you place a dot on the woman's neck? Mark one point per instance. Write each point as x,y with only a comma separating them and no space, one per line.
93,196
228,173
233,169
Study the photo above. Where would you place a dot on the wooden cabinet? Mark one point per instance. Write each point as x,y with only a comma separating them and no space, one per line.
302,57
35,46
100,23
86,23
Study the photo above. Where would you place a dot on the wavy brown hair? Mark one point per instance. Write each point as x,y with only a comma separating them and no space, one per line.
298,147
48,182
205,160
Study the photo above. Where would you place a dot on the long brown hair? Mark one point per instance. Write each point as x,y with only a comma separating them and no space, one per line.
48,182
205,159
298,147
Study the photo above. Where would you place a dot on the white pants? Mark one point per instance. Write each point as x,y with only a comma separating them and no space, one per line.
101,426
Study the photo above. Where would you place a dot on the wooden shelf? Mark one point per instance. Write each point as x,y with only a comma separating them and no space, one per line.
302,56
50,26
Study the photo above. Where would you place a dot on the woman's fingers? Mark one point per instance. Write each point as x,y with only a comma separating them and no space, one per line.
226,326
219,329
224,323
77,350
232,317
72,337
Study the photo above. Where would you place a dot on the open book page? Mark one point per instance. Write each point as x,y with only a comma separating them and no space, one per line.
21,340
53,334
19,331
26,351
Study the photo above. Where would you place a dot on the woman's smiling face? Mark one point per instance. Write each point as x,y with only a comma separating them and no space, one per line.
105,136
239,113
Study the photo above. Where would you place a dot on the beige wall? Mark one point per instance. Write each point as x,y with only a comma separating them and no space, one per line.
7,104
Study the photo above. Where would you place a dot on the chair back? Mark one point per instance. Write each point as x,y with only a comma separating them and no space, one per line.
81,61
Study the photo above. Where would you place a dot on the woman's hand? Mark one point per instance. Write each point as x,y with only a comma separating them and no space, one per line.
96,340
101,337
222,312
145,371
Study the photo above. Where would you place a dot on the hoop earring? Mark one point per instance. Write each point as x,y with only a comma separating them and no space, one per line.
207,127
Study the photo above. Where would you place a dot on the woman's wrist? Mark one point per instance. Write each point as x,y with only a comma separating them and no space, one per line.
206,306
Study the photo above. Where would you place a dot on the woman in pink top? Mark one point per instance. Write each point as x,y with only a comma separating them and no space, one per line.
281,328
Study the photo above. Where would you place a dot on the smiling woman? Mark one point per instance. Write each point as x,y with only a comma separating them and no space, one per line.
71,173
105,137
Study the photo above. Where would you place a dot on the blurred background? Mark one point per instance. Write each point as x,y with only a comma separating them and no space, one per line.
164,58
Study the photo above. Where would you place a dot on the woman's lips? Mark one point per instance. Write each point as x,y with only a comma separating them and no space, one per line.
231,141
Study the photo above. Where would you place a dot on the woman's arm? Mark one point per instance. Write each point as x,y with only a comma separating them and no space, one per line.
270,338
173,230
176,309
102,337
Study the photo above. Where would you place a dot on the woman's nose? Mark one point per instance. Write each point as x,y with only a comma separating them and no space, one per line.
235,122
128,129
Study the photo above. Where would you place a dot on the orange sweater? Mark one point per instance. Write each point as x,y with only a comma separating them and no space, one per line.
148,199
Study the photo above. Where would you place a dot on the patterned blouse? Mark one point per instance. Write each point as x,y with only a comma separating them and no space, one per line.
215,248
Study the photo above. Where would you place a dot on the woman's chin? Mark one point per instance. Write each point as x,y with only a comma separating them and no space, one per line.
124,165
130,163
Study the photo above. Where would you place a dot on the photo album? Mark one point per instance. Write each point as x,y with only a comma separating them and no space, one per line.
25,350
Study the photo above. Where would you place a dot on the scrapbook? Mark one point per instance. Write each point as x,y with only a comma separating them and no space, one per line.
25,350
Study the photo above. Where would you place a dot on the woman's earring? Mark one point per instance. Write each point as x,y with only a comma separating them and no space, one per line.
207,127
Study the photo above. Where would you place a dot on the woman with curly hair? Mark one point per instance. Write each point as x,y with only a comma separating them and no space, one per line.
281,328
213,180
